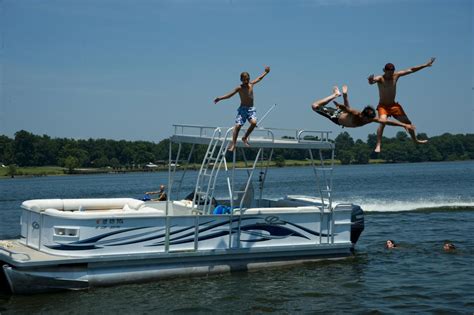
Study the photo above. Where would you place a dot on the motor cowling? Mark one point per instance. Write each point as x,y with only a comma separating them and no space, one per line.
357,220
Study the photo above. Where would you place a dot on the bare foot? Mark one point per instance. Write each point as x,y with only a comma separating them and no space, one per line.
335,91
377,148
246,141
231,147
421,141
344,89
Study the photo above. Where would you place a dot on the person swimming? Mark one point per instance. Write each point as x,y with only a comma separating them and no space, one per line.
389,244
449,246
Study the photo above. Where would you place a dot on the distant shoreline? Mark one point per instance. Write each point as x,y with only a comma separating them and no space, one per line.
28,172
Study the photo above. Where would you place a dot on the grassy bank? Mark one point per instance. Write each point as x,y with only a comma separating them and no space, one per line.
57,170
33,171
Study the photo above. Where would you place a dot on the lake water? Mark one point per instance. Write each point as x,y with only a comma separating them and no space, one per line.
418,205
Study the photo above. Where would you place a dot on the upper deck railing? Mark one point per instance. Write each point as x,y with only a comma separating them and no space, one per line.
260,137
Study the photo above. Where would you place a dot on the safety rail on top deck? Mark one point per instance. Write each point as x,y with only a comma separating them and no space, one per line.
208,131
298,135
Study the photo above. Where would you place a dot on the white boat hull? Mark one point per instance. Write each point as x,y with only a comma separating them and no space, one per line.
77,275
81,249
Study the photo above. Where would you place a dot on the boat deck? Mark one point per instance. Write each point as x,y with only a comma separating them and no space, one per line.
17,253
22,256
260,138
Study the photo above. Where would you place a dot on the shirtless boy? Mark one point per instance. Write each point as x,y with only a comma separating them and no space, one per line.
246,111
387,84
346,116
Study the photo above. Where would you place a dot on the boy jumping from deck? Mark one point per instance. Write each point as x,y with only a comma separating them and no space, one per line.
246,111
387,84
346,116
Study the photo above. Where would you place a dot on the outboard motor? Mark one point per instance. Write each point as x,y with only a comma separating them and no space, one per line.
4,287
357,220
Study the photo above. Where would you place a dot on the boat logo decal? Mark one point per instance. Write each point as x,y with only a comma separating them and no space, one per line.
252,229
35,225
273,220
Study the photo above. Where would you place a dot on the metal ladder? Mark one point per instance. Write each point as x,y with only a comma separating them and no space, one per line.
323,174
259,158
174,164
245,192
213,159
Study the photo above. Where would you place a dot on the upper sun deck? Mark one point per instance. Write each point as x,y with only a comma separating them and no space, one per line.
275,138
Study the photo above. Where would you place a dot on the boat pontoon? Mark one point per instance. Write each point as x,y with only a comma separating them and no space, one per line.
225,224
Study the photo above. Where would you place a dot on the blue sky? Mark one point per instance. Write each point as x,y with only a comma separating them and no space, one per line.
128,69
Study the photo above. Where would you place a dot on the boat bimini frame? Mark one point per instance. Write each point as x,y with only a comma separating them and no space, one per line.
218,159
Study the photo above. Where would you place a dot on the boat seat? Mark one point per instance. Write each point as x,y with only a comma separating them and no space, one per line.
85,204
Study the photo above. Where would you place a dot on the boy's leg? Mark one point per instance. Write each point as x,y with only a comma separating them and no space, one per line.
405,120
335,93
234,137
380,134
253,124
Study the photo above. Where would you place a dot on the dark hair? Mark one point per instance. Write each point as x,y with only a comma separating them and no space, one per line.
392,241
389,67
450,245
244,74
369,112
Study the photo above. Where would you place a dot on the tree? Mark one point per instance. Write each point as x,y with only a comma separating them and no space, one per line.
401,136
11,171
279,161
344,142
103,161
71,163
361,152
394,152
114,163
71,148
24,148
6,150
372,140
345,156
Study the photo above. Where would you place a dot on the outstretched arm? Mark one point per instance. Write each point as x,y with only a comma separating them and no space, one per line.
267,70
374,79
345,108
229,95
345,96
416,68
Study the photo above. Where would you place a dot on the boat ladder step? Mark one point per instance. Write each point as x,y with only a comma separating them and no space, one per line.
203,193
343,223
239,191
324,169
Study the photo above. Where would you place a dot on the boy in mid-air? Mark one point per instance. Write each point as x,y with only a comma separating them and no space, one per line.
387,84
246,111
346,116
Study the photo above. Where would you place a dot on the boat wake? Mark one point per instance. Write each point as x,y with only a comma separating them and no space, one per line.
384,205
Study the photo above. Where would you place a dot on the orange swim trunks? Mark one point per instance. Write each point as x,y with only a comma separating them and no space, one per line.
391,110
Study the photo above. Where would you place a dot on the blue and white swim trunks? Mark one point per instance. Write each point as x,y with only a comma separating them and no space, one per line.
245,113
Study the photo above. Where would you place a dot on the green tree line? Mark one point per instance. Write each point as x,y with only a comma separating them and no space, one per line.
27,149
